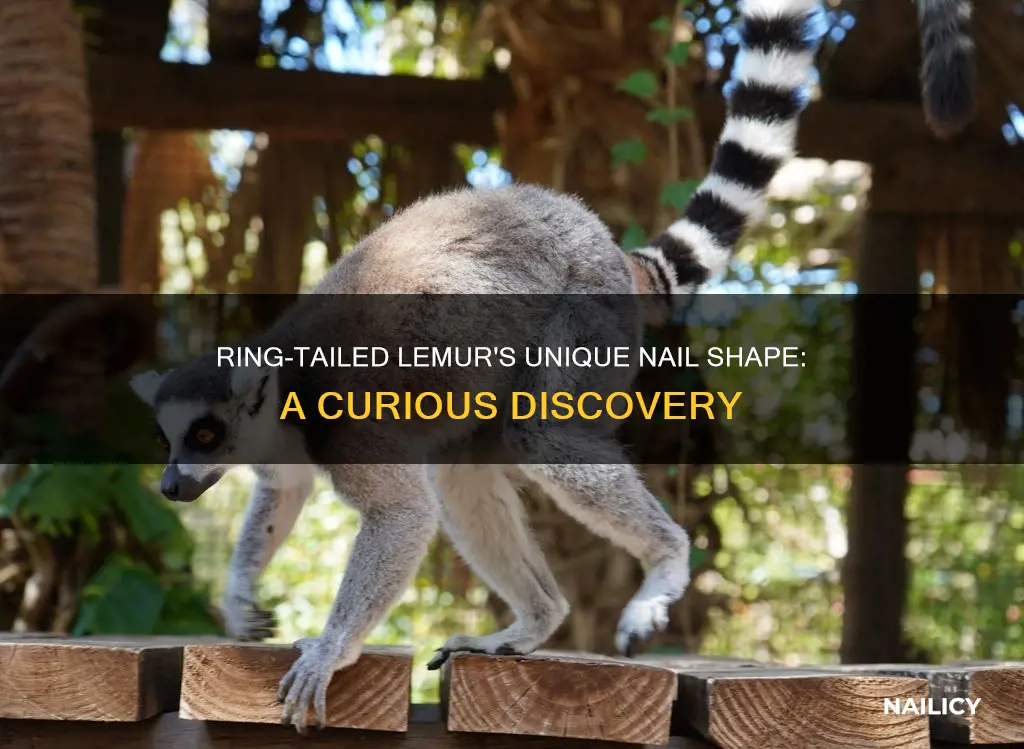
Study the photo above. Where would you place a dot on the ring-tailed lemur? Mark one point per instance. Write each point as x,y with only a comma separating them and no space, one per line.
947,64
519,240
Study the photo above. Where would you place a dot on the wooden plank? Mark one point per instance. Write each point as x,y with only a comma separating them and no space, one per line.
999,687
88,680
778,708
555,694
238,683
306,104
426,731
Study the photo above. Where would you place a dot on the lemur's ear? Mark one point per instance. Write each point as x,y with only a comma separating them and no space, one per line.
145,385
252,385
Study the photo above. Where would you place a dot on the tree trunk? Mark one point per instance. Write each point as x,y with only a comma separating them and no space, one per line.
47,201
881,423
47,245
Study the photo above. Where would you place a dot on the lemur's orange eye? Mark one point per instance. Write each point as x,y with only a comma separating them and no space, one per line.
204,436
162,441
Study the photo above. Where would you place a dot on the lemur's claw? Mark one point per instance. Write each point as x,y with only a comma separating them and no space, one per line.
246,621
640,620
304,688
440,656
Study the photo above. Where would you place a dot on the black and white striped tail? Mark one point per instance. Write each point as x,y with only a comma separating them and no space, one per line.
947,64
773,70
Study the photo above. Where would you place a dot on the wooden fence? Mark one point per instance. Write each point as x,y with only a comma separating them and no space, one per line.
173,693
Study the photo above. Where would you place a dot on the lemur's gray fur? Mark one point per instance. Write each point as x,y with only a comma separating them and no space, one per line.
519,240
947,64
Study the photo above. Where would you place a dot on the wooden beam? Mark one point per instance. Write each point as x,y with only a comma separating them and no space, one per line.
87,680
998,687
739,708
978,174
238,683
553,694
426,731
292,104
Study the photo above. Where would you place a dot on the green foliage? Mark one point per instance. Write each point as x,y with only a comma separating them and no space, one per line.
662,24
634,236
677,194
678,54
632,151
669,117
640,83
143,585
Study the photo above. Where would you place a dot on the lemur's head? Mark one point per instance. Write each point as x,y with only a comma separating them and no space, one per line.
208,419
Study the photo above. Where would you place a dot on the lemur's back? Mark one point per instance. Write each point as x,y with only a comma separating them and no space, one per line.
521,239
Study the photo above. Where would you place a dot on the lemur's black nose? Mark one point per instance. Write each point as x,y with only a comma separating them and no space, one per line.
169,487
170,484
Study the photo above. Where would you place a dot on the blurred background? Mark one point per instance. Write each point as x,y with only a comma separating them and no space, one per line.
240,146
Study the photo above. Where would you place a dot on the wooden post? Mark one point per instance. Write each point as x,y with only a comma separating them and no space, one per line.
88,680
740,707
881,418
238,682
549,694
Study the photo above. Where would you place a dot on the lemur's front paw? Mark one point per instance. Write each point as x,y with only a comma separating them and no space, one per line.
305,684
244,620
640,619
499,643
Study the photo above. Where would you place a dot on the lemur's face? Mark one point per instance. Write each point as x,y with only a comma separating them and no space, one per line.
205,427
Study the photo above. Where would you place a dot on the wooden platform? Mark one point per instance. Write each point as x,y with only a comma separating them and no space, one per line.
173,693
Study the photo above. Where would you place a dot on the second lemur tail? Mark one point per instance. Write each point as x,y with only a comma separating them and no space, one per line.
947,64
775,65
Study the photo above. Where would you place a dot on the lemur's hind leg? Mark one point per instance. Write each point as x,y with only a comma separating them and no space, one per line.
485,519
612,500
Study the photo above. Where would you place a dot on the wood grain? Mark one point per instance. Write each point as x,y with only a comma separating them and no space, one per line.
780,708
554,694
238,683
999,718
426,731
331,106
88,679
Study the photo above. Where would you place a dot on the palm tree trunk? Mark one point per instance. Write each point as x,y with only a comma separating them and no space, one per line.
47,200
47,243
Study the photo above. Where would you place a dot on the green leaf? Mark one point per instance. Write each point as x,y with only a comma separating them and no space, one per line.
679,54
633,237
632,151
697,556
185,612
63,494
678,194
123,598
662,24
669,117
641,83
148,517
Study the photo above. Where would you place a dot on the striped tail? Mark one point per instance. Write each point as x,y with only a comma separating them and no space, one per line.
773,70
947,64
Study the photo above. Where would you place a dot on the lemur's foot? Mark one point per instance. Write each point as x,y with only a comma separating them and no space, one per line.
305,685
244,620
511,641
641,618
